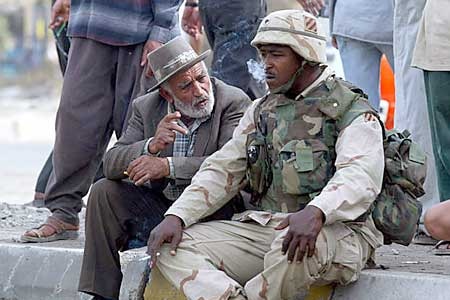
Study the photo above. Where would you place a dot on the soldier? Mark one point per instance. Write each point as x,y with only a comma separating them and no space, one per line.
312,153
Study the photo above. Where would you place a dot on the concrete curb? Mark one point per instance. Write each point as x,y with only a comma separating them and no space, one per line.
392,285
40,272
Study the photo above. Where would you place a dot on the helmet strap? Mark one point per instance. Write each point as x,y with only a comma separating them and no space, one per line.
283,89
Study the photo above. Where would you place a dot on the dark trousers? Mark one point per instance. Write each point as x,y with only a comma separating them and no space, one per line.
230,26
437,86
99,83
62,43
119,216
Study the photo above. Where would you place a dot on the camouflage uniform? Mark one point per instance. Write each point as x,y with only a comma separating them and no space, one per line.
242,257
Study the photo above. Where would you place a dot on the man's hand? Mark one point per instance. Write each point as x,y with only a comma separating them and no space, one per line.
312,6
170,230
149,46
147,168
304,227
191,22
165,133
59,14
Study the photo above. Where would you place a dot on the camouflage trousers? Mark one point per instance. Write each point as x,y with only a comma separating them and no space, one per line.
237,260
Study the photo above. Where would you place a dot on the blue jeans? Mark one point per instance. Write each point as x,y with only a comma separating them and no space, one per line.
361,62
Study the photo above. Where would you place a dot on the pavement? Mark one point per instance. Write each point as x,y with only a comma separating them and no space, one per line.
51,270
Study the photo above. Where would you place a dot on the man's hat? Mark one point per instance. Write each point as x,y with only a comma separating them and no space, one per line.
169,59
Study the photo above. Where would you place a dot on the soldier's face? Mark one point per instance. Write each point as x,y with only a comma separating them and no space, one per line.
281,63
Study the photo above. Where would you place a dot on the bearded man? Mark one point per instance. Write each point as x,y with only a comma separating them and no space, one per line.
169,135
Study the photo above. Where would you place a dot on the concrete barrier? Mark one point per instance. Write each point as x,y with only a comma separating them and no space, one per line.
51,271
40,272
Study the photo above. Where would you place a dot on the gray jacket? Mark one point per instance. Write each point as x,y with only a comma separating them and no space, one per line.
364,20
148,110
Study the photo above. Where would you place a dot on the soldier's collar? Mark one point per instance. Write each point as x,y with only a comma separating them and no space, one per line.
327,72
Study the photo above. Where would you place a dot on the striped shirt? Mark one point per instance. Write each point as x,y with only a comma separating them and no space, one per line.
124,22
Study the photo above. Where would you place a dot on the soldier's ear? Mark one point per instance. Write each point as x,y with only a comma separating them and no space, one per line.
166,94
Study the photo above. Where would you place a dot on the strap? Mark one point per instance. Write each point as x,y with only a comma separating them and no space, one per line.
257,113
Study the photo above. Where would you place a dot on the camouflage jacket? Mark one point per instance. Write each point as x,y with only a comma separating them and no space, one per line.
359,166
291,155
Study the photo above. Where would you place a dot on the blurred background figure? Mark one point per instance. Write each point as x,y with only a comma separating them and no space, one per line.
363,31
103,74
431,54
62,43
229,26
411,110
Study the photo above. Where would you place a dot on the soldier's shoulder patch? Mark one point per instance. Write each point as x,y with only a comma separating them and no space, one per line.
310,24
369,117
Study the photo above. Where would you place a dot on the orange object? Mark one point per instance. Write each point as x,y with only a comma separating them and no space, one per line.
387,89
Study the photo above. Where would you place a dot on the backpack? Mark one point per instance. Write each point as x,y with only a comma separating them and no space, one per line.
396,211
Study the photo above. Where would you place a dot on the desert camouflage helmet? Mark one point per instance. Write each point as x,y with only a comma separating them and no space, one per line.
294,28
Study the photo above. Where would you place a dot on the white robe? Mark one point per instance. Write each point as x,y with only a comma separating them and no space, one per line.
410,105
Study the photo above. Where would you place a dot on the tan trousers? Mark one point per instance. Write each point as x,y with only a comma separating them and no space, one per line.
231,259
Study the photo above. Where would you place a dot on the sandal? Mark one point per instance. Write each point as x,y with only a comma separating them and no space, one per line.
421,238
52,230
440,250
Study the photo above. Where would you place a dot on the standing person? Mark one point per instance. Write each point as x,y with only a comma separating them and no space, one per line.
411,110
62,43
363,31
230,25
110,43
311,185
431,54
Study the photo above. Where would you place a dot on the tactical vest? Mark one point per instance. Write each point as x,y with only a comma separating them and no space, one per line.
291,155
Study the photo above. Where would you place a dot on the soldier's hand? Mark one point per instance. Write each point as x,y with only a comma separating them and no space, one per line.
191,22
149,46
304,227
146,168
165,133
312,6
170,230
59,13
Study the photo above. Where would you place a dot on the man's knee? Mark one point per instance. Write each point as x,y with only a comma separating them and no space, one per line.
435,220
102,191
339,256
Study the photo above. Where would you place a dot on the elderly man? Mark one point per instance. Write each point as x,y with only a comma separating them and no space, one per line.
312,153
169,135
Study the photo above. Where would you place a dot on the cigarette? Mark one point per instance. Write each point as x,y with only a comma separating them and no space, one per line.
146,257
125,173
179,123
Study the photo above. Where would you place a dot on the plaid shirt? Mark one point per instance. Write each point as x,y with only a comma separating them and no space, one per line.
121,23
182,147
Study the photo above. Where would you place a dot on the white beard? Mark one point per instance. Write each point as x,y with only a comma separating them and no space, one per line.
190,110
